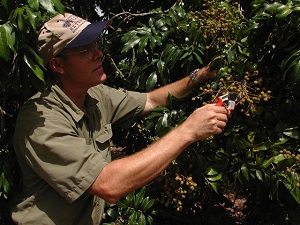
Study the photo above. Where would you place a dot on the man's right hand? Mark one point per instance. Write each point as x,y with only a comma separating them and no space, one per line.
206,121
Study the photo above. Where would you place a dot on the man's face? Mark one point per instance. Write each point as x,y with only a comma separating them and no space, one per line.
82,67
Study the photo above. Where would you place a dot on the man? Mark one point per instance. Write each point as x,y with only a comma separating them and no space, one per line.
62,135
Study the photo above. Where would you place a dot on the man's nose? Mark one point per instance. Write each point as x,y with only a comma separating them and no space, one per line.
97,53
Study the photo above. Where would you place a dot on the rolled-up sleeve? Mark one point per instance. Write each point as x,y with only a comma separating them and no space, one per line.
122,107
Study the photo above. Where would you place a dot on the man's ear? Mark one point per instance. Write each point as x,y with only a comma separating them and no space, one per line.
55,64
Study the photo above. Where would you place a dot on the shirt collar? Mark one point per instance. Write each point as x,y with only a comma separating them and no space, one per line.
69,105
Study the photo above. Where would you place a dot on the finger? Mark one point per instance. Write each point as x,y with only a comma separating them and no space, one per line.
221,125
223,118
226,111
221,109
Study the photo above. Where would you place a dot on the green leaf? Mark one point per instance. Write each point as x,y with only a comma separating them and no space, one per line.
245,172
278,158
284,13
154,114
288,162
6,186
296,194
237,179
148,125
215,178
230,55
129,198
273,8
4,49
251,137
260,147
185,55
291,61
174,59
34,4
160,23
198,57
150,220
153,42
48,5
246,143
168,50
295,74
143,43
130,44
133,217
163,125
151,82
214,185
210,171
142,219
161,66
292,134
20,19
5,5
150,22
268,162
290,183
122,204
147,203
171,54
34,67
259,175
112,213
36,56
31,17
128,212
1,180
239,144
59,6
139,197
11,36
280,141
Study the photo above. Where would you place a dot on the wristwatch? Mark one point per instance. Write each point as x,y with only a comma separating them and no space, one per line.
193,76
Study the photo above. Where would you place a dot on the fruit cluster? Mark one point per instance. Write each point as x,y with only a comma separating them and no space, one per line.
288,154
219,21
177,188
249,91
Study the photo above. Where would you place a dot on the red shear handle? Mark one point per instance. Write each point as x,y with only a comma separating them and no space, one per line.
219,102
230,106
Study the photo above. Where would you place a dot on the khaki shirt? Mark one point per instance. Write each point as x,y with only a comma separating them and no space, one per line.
61,151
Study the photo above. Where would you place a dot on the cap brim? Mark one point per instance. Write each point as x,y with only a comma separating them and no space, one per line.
88,34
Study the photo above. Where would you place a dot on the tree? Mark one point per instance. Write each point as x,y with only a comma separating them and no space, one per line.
258,154
21,73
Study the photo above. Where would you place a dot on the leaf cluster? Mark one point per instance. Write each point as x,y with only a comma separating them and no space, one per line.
134,209
22,74
262,48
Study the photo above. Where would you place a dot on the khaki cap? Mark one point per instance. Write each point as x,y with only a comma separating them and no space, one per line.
66,31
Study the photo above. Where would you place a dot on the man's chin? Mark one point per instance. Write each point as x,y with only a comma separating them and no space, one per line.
103,78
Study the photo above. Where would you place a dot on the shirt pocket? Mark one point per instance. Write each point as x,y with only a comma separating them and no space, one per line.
102,141
104,135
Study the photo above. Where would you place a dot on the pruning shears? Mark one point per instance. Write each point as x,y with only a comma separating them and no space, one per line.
229,99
